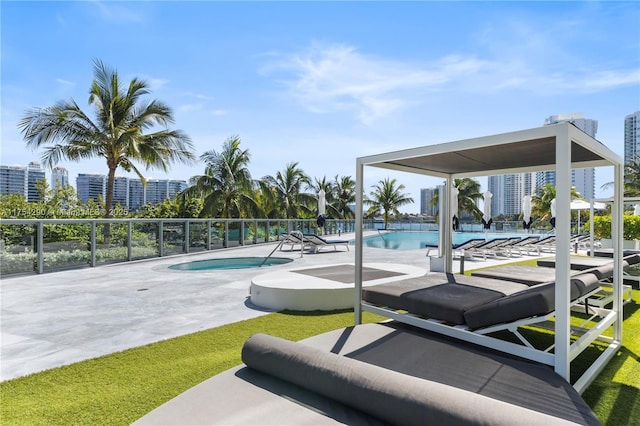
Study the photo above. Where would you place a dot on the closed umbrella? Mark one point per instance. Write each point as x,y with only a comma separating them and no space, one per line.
553,213
454,207
486,217
526,212
636,210
322,206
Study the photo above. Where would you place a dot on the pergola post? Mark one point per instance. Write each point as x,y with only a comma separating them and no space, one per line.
563,250
357,307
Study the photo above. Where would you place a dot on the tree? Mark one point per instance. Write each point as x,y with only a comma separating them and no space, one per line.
386,198
287,187
117,134
541,201
226,186
330,196
468,195
345,196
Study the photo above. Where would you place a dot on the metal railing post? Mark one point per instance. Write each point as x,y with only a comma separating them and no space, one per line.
93,243
129,238
208,235
186,236
40,248
160,239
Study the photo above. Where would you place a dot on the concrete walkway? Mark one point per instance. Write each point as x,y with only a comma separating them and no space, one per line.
60,318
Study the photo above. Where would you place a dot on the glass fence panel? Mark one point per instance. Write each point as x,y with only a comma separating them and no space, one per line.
173,238
217,235
66,245
249,234
197,236
233,237
17,249
111,242
144,240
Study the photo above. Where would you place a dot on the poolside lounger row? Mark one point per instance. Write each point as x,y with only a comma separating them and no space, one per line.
355,376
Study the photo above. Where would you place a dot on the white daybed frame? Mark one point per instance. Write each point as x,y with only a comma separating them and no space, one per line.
558,147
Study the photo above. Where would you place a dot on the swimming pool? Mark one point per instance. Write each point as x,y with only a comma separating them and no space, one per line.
230,263
407,240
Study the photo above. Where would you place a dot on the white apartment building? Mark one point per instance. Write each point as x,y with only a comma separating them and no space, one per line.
632,137
584,180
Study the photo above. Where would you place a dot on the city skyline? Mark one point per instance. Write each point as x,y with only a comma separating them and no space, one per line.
298,81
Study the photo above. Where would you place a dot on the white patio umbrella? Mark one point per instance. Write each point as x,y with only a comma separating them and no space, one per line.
636,210
486,217
526,211
553,213
585,205
454,207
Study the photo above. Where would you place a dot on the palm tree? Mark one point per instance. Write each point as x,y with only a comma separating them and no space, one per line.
226,185
117,134
386,198
468,195
631,178
330,195
345,196
541,201
287,190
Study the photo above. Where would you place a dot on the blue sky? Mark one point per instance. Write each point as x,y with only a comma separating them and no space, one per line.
323,83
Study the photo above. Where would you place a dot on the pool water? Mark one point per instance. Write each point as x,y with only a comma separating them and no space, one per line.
406,240
229,263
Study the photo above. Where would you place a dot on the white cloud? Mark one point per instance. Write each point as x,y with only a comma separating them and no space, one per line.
115,11
65,84
339,78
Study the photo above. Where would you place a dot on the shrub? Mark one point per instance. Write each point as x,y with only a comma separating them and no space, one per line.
602,227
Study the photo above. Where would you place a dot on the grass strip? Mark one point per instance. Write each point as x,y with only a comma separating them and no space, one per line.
119,388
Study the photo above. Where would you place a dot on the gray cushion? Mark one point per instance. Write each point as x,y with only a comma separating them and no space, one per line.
441,296
535,301
391,396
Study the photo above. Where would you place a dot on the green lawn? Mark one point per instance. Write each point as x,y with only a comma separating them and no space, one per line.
120,388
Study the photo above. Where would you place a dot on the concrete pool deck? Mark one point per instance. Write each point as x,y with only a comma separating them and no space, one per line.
64,317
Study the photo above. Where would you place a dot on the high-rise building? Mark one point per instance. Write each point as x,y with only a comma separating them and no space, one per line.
13,180
22,180
426,195
120,192
35,174
507,191
136,194
632,137
584,180
90,186
59,178
160,189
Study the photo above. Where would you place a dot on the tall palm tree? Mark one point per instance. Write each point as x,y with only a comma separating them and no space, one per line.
345,196
287,190
386,197
468,195
226,185
117,134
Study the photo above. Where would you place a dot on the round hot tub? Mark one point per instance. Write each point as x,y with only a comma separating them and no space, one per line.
230,263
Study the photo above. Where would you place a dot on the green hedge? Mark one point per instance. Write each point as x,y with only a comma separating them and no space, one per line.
602,227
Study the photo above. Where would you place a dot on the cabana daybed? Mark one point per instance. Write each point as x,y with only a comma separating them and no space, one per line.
559,147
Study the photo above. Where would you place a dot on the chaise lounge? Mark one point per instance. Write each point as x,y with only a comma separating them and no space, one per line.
355,376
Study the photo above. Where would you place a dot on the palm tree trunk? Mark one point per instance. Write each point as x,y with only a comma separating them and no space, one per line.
111,177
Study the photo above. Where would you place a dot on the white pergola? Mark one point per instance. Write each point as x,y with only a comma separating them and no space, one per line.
560,147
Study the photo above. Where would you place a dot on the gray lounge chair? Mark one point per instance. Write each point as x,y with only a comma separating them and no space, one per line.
317,243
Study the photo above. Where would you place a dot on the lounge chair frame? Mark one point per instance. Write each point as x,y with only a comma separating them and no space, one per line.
559,147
